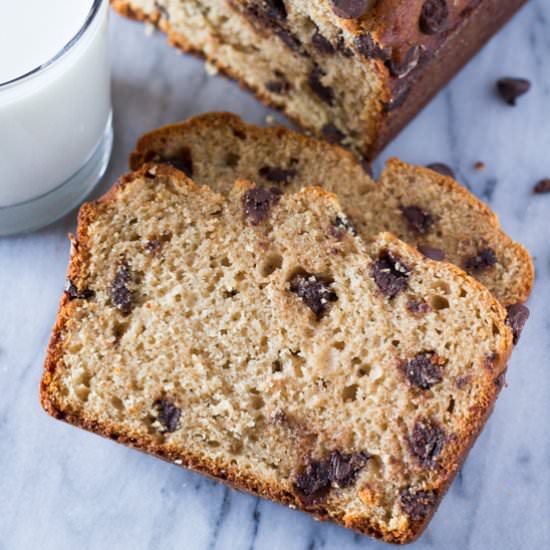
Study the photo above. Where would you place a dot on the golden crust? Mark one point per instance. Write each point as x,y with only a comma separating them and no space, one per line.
229,474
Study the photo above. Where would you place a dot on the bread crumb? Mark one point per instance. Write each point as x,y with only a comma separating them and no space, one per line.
210,68
479,166
270,119
149,29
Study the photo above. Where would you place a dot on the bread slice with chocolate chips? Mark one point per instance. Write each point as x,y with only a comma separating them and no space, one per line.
256,338
422,207
352,71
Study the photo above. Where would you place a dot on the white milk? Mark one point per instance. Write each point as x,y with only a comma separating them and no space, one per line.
53,120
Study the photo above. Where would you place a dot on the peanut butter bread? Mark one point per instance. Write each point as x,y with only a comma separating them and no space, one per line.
256,338
353,71
420,206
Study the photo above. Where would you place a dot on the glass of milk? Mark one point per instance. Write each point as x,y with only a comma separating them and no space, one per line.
55,108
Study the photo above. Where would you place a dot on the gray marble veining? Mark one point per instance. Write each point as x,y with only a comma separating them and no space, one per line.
62,488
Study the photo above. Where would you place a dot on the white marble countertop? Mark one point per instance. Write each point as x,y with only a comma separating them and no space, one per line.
62,488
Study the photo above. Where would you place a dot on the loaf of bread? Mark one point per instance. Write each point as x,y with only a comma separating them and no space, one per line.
256,338
422,207
353,71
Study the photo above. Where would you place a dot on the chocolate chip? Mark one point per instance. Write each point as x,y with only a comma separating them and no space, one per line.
182,161
431,252
516,319
277,174
512,88
258,201
424,370
280,86
168,414
313,484
441,169
314,290
483,260
345,467
290,40
321,44
463,381
401,68
74,294
341,224
418,220
332,134
426,441
121,295
326,93
399,97
350,9
418,307
342,48
316,479
369,48
390,274
500,380
417,504
543,186
434,16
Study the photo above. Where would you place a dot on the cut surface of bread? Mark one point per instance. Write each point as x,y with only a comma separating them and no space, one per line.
420,206
256,338
353,72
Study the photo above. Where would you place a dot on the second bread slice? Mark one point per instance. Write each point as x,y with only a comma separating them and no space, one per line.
422,207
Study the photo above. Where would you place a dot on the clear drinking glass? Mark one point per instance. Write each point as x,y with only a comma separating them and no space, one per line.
55,129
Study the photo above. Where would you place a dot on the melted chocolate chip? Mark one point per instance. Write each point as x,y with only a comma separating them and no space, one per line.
277,174
543,186
418,220
345,467
512,88
168,414
325,93
417,504
121,295
424,370
369,48
516,319
74,294
313,484
350,9
441,169
401,68
431,252
426,441
316,479
321,44
390,274
153,246
292,41
280,86
314,290
258,201
483,260
490,360
182,162
434,16
333,134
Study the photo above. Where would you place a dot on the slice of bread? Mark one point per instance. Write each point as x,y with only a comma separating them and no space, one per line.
255,338
422,207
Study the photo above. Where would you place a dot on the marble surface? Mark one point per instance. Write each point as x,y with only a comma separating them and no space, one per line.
62,488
